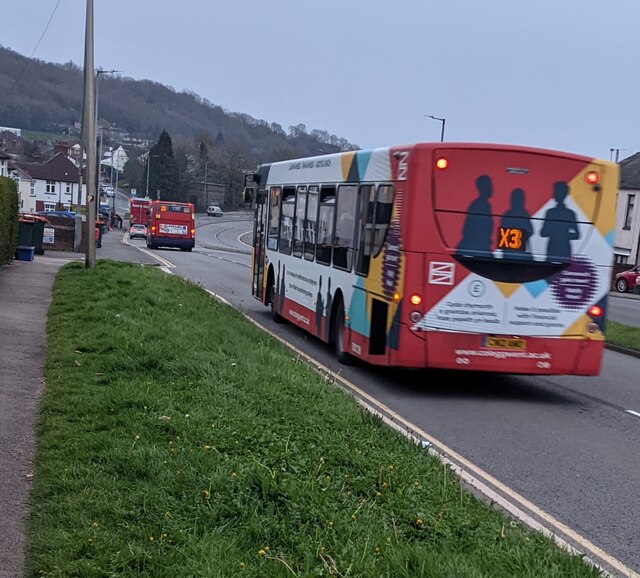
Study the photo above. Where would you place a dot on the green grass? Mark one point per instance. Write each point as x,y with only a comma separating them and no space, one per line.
177,439
623,335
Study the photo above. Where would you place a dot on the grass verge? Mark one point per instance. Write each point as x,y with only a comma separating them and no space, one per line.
623,335
177,439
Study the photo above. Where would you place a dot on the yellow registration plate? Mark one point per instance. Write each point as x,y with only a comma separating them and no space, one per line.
505,343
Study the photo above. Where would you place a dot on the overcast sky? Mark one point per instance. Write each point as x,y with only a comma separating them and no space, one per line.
560,74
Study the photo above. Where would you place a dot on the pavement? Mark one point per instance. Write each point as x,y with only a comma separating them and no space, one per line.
25,295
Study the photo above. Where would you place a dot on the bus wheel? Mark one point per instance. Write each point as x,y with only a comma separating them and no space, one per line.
338,338
271,299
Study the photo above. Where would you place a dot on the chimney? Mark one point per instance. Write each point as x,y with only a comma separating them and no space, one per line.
61,147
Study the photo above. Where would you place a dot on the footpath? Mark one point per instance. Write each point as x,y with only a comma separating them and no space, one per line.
25,295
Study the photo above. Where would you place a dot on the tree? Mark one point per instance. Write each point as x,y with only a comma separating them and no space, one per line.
163,172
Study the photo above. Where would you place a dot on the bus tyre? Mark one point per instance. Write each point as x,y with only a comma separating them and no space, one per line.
272,300
338,338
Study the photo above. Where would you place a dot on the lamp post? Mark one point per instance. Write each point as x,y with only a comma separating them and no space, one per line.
98,73
149,157
442,120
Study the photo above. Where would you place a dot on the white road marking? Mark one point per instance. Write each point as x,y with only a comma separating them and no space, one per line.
637,414
167,264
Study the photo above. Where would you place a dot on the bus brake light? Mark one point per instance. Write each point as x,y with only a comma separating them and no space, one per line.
415,299
595,311
442,163
592,177
193,232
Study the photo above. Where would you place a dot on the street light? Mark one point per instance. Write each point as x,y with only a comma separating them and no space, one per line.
98,73
206,196
148,165
442,120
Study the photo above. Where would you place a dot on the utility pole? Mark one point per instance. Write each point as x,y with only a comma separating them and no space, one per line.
89,132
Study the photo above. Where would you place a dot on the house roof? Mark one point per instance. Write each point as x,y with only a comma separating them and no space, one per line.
59,168
630,172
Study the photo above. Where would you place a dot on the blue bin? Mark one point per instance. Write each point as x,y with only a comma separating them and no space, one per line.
24,253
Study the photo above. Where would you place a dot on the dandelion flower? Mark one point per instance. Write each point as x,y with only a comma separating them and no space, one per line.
261,552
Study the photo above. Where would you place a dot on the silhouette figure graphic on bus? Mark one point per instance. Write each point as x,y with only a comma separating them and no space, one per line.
516,228
319,309
560,226
478,225
327,310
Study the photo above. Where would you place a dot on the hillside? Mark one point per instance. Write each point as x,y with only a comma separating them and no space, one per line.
43,96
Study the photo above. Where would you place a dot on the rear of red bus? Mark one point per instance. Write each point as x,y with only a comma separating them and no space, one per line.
172,224
506,258
139,211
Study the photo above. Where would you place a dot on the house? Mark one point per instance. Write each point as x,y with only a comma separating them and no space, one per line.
12,143
627,240
54,185
4,164
26,189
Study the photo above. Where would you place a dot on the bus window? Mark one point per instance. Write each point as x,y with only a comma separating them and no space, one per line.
345,222
366,214
274,217
384,204
325,225
299,225
311,223
286,220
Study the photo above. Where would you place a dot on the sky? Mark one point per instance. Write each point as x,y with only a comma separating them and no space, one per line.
558,74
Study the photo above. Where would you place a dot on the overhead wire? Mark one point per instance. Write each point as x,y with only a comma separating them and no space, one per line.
15,82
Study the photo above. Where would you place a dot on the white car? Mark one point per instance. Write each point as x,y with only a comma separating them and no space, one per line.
214,211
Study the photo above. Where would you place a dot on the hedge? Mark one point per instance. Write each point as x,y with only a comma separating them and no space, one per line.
8,219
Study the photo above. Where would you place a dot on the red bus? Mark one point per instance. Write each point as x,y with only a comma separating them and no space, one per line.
469,256
172,224
139,211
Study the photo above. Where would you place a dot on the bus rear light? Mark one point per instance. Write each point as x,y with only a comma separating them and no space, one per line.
415,316
442,163
415,299
396,297
595,311
592,177
153,228
193,232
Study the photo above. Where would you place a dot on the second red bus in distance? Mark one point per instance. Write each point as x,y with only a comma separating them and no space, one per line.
172,224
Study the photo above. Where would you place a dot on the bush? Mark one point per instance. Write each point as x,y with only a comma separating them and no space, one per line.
8,219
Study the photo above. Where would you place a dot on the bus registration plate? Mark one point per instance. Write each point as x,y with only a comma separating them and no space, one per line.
173,229
505,342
